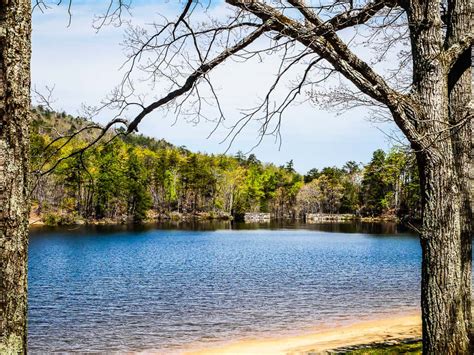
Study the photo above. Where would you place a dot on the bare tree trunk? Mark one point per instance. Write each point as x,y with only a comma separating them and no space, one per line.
445,310
231,202
460,116
15,32
460,91
445,327
446,254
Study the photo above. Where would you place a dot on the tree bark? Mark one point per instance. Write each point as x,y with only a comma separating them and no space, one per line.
15,52
446,256
460,93
445,322
460,116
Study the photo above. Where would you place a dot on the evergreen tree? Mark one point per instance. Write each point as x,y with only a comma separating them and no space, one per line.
138,196
374,187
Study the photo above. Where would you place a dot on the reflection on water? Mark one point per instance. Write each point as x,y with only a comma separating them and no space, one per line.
163,287
213,225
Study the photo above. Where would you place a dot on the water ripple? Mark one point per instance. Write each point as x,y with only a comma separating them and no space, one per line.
163,289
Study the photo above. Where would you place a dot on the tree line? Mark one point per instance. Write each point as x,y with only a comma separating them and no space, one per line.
136,178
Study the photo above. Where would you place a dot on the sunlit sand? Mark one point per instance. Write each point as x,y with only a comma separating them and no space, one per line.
399,327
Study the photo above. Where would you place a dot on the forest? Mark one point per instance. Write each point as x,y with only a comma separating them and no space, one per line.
136,178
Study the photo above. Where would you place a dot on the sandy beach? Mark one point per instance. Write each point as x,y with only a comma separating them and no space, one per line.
319,340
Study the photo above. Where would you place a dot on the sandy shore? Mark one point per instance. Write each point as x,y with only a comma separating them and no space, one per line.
319,340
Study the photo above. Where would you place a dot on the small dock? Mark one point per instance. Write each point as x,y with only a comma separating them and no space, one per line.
326,217
255,217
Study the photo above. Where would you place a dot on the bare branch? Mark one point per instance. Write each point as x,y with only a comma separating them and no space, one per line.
197,74
347,19
335,51
81,151
45,98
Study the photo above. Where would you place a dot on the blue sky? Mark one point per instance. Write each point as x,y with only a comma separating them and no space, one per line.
84,66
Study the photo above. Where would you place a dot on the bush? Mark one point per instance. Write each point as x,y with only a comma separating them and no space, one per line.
51,219
54,219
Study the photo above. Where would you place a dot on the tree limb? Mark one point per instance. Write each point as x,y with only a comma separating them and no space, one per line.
202,70
345,19
329,46
458,48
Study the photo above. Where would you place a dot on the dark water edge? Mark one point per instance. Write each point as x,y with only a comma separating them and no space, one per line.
378,228
164,286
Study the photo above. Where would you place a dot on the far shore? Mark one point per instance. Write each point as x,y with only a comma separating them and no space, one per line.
320,340
64,219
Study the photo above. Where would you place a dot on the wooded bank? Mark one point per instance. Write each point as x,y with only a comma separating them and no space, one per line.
136,178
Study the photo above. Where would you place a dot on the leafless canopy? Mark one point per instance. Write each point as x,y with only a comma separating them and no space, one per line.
311,40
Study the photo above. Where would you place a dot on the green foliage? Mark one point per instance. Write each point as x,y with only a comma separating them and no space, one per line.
51,219
109,179
138,196
374,185
311,175
129,176
390,184
387,186
350,182
414,348
54,219
323,194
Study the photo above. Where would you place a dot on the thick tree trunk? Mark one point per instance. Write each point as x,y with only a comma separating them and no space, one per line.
460,117
15,31
446,283
445,327
460,92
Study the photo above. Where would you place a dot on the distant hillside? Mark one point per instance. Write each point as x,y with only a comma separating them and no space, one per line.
53,124
136,178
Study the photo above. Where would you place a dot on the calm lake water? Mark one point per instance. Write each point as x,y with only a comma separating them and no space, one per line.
118,289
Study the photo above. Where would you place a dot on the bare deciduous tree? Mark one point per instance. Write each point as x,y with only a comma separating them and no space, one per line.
433,109
15,32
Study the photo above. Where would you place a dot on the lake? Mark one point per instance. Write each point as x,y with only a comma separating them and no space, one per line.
169,287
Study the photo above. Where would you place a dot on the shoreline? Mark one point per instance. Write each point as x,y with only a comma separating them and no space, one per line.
406,326
39,220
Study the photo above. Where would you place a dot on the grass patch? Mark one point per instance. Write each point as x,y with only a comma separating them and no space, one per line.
414,348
